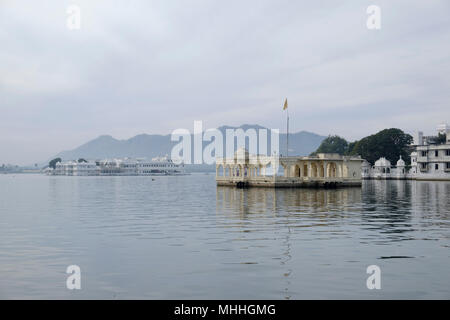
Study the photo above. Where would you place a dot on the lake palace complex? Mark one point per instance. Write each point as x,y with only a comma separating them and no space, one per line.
118,167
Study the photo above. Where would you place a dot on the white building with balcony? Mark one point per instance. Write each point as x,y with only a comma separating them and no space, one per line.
431,159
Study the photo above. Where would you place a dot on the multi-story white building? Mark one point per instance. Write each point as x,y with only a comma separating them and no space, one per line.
430,160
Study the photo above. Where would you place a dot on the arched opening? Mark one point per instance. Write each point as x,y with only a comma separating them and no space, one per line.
240,171
297,171
305,170
269,169
262,170
321,170
220,171
314,170
272,169
331,170
282,171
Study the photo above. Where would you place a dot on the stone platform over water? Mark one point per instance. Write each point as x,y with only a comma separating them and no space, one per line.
327,170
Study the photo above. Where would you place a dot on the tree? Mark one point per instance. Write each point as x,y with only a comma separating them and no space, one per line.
81,160
332,144
389,143
441,138
52,163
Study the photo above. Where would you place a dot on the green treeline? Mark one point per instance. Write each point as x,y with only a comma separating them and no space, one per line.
389,143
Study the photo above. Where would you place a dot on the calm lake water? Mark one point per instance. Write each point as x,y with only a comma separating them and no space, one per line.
185,238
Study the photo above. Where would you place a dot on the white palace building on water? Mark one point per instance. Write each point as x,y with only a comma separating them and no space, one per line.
430,160
118,167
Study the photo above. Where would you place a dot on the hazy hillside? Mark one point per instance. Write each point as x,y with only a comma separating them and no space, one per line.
144,145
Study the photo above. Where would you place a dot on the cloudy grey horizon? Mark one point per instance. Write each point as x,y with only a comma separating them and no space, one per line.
154,66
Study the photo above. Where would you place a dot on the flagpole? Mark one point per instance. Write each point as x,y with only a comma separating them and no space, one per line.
285,107
287,136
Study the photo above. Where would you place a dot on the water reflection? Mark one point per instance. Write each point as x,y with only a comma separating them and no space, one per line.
387,209
242,202
181,237
381,212
290,214
383,206
388,214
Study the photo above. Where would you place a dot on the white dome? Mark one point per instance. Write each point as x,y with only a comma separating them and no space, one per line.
400,162
365,163
382,162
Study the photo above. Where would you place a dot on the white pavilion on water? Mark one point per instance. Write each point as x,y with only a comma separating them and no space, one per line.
322,170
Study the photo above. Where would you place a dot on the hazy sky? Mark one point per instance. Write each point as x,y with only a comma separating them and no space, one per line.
154,66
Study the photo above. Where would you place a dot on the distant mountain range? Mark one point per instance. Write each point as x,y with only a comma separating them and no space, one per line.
153,145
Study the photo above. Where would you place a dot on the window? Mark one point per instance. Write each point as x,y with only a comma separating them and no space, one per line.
448,165
424,165
436,153
424,153
436,166
447,152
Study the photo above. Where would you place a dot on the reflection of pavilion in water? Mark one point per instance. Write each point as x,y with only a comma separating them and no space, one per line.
290,209
388,206
281,201
381,212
